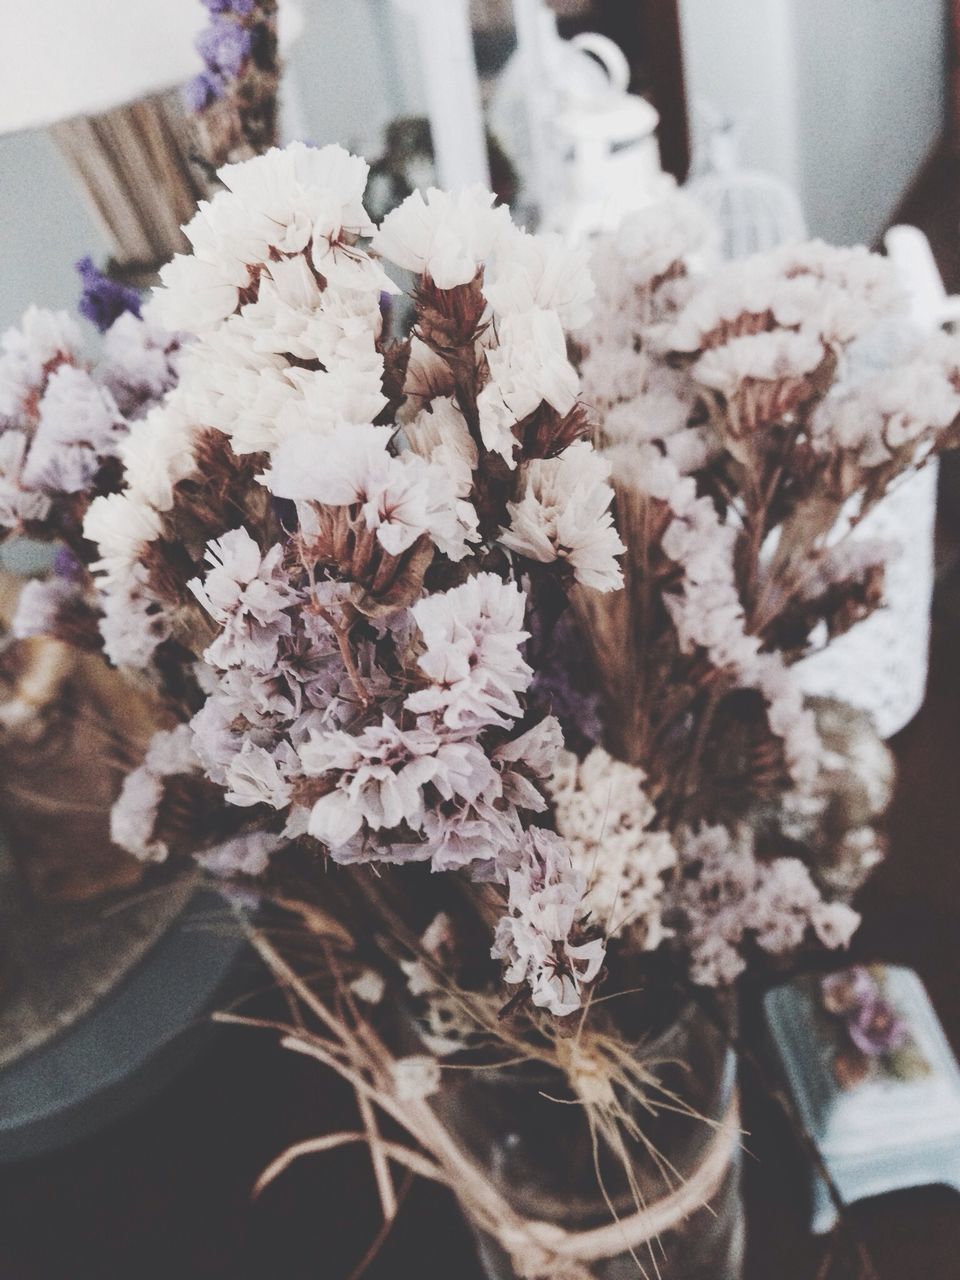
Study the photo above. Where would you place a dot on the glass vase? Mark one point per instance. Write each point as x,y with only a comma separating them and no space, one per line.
518,1126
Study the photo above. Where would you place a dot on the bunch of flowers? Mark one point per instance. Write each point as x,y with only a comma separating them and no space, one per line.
505,577
66,428
752,416
379,571
348,529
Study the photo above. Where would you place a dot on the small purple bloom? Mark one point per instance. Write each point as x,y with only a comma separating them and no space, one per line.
242,8
66,565
224,46
203,89
876,1029
845,992
103,300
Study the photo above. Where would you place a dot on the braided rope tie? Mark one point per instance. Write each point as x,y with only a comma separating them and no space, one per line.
545,1251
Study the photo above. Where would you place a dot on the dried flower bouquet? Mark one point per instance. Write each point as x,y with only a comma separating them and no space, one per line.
505,579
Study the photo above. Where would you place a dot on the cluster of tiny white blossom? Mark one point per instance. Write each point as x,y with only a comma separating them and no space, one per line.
606,818
706,606
381,716
644,273
742,408
332,539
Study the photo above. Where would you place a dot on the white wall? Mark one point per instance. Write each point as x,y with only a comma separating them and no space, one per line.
843,99
871,105
44,227
738,59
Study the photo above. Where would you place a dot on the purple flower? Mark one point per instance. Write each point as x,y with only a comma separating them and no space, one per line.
103,300
242,8
66,565
203,89
224,46
846,992
876,1029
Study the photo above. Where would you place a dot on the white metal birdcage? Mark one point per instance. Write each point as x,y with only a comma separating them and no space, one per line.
752,210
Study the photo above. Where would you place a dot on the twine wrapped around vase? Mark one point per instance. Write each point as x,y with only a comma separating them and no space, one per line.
545,1251
536,1249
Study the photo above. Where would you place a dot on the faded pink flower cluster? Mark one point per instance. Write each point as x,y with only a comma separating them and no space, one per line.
363,663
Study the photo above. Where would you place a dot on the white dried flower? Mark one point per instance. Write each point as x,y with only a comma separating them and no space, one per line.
564,514
446,237
415,1077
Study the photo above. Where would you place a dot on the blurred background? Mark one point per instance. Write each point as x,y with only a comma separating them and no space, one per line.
847,104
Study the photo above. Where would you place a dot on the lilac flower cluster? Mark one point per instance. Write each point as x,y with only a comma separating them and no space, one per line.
65,424
103,300
873,1025
226,45
365,684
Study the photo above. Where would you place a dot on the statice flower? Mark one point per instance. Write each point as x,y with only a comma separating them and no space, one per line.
896,410
133,624
444,237
134,816
542,272
399,498
762,376
415,1077
139,362
564,515
535,940
28,355
707,611
158,453
121,527
528,366
201,91
652,245
245,855
247,592
256,775
224,46
473,637
727,896
78,426
605,817
103,300
276,205
381,775
18,504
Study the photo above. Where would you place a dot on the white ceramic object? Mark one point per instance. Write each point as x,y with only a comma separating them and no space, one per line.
452,88
881,665
885,1133
585,147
